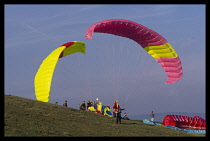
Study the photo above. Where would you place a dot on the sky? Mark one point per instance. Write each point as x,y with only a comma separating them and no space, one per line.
113,68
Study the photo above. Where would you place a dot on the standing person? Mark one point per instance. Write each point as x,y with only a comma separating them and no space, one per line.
152,116
56,103
117,111
65,103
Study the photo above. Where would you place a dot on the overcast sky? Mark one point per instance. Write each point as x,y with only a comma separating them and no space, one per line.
113,67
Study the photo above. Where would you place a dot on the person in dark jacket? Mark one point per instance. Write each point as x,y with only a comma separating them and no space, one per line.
89,104
65,103
83,106
125,117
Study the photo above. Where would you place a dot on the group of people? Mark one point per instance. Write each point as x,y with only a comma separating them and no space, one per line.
90,105
97,106
64,104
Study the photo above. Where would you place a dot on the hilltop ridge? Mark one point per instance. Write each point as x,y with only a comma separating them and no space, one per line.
27,117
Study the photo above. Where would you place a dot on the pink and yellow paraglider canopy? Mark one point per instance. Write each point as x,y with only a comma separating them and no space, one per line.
157,46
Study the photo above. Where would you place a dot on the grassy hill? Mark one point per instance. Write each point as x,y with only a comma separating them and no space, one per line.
26,117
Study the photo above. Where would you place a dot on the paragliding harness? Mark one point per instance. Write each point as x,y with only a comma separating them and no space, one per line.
118,111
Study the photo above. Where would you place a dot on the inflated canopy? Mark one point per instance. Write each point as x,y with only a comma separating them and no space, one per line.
43,78
152,42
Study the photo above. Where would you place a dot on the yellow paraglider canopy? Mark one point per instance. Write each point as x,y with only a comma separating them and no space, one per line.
43,78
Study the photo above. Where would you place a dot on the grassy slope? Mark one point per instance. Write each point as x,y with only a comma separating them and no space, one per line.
26,117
